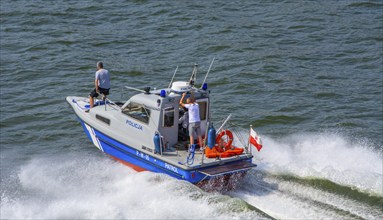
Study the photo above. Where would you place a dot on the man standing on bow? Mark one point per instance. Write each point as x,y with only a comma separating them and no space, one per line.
101,83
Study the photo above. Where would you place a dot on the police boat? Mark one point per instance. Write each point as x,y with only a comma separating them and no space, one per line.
144,133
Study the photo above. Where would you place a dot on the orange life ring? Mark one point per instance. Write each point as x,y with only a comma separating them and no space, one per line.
229,135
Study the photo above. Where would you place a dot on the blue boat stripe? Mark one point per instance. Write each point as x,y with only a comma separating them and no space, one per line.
141,159
93,136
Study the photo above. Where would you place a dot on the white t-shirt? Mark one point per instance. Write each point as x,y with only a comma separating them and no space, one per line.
193,112
103,78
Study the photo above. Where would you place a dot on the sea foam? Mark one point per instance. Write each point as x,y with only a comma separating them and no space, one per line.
324,155
93,186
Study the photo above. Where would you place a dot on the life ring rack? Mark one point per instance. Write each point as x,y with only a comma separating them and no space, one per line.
227,151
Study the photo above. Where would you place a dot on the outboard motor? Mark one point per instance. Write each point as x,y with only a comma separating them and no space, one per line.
211,137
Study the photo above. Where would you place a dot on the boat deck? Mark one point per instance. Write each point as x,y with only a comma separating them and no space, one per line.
178,155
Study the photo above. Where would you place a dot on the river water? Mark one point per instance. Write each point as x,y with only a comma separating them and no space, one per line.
308,75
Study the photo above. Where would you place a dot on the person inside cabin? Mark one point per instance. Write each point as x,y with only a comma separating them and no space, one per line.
101,83
194,118
183,124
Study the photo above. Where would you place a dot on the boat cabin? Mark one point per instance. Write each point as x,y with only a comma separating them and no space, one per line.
158,111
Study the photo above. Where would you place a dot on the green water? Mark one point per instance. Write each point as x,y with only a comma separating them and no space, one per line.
308,75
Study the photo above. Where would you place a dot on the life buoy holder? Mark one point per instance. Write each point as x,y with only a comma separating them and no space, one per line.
227,151
227,144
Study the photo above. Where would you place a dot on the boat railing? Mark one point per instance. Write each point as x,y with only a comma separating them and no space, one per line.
223,124
237,130
108,101
240,132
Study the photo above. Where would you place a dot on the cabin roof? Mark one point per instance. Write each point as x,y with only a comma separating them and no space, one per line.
146,99
151,100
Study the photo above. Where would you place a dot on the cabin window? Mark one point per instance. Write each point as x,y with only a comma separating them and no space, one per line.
137,111
103,119
168,117
202,110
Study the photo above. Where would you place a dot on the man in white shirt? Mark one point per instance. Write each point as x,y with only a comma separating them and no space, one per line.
194,119
101,83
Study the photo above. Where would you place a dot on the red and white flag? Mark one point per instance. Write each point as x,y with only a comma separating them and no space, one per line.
255,140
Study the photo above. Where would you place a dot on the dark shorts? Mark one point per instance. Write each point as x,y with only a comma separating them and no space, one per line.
101,90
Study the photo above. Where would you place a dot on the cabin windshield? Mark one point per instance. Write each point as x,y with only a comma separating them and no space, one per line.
137,111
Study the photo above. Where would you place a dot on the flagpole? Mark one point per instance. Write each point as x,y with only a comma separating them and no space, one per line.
248,140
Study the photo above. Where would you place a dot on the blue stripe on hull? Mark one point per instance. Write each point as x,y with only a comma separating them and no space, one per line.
139,158
85,129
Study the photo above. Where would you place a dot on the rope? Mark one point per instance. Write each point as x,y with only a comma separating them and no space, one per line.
190,157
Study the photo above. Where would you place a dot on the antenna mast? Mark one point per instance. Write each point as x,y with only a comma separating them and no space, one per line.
208,71
193,77
170,84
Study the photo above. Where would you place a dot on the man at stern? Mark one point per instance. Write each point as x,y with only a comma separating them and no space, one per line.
194,118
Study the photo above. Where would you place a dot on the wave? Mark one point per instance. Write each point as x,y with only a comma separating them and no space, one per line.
89,186
315,175
299,176
290,197
327,156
